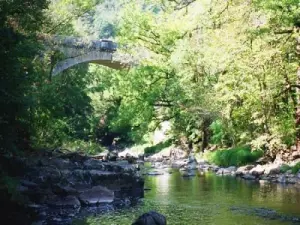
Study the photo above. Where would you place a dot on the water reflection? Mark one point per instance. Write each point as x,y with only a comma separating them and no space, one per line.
207,199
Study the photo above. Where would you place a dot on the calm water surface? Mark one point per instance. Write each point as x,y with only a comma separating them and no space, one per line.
208,199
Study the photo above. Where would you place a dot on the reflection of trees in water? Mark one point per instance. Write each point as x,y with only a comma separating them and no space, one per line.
285,197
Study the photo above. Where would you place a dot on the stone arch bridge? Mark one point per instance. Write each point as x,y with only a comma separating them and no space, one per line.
78,50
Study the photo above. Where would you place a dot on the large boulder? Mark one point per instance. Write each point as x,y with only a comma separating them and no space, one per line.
96,195
151,218
257,171
191,163
244,170
271,169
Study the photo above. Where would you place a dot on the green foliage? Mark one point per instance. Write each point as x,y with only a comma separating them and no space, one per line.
295,169
233,157
284,168
217,132
101,21
219,71
88,147
229,67
63,109
158,147
19,23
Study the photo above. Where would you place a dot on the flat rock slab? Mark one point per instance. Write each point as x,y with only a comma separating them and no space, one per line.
96,195
62,202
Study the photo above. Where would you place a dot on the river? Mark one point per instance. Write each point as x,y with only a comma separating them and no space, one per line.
209,199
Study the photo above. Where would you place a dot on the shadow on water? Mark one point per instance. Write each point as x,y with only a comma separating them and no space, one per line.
210,199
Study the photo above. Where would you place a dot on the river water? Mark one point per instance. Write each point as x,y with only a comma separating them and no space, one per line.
209,199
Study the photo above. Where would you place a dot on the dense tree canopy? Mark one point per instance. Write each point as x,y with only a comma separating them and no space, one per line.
222,72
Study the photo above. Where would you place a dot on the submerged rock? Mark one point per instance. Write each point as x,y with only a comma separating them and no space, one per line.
151,218
265,213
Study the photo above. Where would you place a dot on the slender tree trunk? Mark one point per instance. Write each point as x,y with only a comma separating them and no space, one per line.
205,133
297,116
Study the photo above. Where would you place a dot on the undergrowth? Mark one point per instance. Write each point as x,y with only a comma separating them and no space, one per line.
237,156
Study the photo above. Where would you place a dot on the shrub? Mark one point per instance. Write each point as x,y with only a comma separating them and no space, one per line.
158,147
88,147
296,168
284,168
217,132
234,157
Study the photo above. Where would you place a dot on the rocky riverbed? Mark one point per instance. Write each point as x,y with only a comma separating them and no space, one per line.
269,172
59,187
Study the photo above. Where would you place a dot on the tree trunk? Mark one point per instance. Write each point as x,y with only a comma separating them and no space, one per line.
297,116
205,133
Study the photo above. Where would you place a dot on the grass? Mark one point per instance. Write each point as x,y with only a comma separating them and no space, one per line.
158,147
295,169
238,156
89,147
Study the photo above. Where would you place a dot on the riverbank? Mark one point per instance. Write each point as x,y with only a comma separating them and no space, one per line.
57,187
277,171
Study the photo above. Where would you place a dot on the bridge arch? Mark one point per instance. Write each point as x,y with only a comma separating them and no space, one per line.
98,57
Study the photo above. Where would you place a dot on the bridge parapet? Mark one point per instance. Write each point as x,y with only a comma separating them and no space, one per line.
75,46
